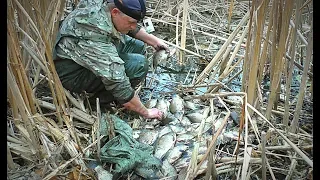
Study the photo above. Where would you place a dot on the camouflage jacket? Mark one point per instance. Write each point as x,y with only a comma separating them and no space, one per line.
88,37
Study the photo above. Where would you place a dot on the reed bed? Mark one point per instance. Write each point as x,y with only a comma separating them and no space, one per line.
263,47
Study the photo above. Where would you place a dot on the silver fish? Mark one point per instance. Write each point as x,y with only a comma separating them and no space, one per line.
175,153
178,129
169,119
198,116
176,104
163,145
148,136
148,173
190,105
159,57
211,118
183,162
185,137
185,121
206,127
164,130
162,105
168,170
151,103
195,117
218,123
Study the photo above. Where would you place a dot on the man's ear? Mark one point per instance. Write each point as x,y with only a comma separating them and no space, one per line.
115,11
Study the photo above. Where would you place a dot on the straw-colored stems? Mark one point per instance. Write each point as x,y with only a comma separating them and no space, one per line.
291,62
183,30
208,68
230,13
193,36
294,124
245,165
263,155
303,40
18,70
177,31
291,169
279,56
13,87
246,61
211,168
98,129
216,135
263,57
254,62
227,70
275,30
270,170
53,173
224,60
9,159
295,148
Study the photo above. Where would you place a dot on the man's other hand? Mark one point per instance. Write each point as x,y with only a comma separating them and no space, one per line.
154,113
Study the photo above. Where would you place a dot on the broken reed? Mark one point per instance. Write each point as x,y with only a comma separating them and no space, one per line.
24,65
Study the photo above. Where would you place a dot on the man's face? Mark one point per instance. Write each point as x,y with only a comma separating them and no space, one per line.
122,22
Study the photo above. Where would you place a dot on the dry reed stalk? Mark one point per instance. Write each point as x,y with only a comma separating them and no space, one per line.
263,155
246,161
98,128
220,128
53,173
224,60
285,120
231,160
302,89
303,40
208,68
9,159
25,114
193,35
191,171
270,170
177,30
18,70
195,30
263,57
292,167
183,39
275,42
155,9
246,61
62,136
211,167
227,70
278,66
230,14
295,148
257,36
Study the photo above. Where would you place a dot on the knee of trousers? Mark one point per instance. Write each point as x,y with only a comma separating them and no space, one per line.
137,66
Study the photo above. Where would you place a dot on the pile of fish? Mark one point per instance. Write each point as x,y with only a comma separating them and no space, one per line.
174,137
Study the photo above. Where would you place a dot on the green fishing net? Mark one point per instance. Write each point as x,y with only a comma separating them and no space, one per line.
126,152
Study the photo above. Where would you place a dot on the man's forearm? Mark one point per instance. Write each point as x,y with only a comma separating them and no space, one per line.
147,38
135,105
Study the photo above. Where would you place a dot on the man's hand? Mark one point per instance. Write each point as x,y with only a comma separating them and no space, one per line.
135,105
160,45
154,113
152,40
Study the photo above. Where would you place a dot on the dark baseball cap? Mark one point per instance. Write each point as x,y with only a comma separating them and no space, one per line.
133,8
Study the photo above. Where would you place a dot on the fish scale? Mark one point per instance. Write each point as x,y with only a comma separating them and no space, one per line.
163,145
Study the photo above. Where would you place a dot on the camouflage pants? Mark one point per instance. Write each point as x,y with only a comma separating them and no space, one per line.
136,67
